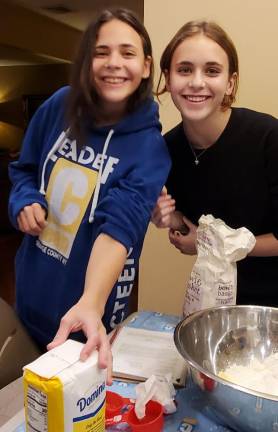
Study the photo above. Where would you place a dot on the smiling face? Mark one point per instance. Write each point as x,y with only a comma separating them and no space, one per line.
118,66
199,78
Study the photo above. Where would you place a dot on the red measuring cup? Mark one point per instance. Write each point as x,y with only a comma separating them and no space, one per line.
121,410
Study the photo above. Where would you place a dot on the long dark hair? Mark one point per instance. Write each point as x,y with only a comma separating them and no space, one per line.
212,31
83,101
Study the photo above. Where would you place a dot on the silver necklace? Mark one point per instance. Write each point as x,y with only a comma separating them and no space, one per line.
196,158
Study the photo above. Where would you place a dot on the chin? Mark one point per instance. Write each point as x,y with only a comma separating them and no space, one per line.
195,116
198,114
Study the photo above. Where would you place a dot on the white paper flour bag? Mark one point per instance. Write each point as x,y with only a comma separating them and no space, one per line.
213,280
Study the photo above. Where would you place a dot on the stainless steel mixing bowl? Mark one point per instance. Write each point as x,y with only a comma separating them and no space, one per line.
216,338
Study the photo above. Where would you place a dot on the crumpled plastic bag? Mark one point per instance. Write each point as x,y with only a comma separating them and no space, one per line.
213,280
157,388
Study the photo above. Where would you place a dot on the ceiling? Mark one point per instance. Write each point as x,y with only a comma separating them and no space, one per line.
77,13
74,13
11,56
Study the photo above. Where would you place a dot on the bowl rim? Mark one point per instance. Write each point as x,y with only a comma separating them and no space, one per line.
192,363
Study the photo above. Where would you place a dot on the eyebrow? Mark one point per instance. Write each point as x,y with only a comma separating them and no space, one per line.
213,63
121,45
210,63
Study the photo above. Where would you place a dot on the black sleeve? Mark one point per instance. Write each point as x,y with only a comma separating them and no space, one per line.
271,165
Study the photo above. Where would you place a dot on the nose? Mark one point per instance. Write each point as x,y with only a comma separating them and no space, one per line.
197,80
113,60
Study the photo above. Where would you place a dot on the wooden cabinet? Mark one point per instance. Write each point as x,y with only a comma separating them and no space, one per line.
9,237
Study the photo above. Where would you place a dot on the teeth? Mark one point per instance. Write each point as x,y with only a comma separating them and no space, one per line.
113,80
196,98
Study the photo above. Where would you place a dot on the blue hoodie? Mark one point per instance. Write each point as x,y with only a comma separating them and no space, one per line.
108,186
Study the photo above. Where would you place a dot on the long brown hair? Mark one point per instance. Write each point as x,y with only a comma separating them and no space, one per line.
83,101
212,31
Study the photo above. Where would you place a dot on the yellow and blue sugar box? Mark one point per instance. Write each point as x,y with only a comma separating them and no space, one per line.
63,394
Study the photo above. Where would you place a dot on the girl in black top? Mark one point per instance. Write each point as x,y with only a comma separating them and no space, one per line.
224,159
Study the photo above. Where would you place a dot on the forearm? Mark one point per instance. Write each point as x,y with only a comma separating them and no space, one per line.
266,245
106,262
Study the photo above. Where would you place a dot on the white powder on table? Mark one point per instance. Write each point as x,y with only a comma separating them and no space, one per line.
260,376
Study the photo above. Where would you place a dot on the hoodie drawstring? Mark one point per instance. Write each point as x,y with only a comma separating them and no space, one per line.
53,149
97,188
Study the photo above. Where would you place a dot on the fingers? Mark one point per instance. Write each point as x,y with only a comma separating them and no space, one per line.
31,220
161,215
80,318
96,339
104,349
105,359
175,238
101,342
62,333
165,200
93,341
162,219
39,215
23,223
186,244
109,380
188,222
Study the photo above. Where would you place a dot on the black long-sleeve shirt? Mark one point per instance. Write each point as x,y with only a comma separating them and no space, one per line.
236,180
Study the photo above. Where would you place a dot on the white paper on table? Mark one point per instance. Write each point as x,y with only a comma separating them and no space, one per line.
139,353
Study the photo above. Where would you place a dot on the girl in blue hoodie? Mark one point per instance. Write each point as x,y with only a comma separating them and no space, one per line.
92,165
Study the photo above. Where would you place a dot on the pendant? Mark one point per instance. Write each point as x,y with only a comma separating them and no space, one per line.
196,162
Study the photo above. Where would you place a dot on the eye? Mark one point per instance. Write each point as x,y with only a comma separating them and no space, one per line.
184,70
212,71
128,54
100,53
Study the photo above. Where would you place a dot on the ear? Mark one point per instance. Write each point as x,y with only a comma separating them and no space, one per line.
231,84
147,67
